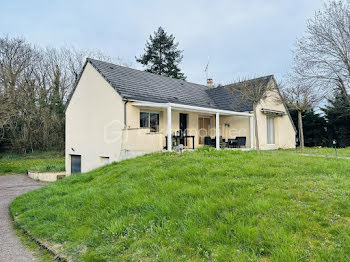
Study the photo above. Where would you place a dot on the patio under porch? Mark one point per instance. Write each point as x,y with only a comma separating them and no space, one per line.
194,127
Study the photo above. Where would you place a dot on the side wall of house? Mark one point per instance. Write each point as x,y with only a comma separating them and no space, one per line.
284,129
94,121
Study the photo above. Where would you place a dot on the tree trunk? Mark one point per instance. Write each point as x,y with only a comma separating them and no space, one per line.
301,133
257,146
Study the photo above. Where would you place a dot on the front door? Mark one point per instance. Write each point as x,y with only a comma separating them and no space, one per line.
75,163
203,126
183,128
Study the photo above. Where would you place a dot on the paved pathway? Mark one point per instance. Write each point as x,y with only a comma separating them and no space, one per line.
11,248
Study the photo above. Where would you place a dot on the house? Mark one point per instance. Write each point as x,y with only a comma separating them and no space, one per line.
115,113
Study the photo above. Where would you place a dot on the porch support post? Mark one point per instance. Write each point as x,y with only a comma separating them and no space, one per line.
169,128
251,131
217,131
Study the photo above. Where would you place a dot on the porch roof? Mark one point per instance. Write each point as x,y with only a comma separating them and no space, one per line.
190,108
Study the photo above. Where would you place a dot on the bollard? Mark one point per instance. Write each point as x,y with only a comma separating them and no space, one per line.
335,148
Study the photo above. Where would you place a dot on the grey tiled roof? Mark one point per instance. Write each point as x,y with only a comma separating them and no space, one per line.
260,81
233,100
227,100
140,85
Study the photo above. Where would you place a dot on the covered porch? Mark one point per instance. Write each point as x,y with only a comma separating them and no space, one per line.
194,127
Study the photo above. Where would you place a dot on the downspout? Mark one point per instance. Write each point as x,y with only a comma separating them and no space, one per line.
125,127
126,101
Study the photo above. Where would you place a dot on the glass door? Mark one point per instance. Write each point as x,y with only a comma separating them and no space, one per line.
204,127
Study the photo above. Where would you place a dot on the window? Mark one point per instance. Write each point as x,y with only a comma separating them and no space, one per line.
104,160
144,119
151,120
270,122
75,162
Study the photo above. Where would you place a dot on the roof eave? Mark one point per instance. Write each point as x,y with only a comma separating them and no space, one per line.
75,86
190,108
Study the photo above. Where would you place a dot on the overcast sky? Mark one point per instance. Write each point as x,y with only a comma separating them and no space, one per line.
241,37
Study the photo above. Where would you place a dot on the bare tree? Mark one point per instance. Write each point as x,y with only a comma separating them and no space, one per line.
75,58
35,84
299,97
18,60
322,55
6,113
253,92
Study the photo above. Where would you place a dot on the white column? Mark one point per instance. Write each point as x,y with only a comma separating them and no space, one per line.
251,131
217,131
169,128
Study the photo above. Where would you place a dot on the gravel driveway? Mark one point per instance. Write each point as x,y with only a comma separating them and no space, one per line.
11,186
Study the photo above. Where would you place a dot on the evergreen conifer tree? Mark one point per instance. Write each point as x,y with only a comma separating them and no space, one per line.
337,114
162,55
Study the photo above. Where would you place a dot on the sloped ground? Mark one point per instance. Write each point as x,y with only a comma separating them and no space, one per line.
198,206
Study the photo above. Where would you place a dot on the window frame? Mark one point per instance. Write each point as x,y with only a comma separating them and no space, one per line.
149,120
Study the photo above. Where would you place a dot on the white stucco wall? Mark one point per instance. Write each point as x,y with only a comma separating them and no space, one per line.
94,121
284,130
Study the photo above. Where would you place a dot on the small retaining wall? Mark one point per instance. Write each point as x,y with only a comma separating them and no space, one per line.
45,176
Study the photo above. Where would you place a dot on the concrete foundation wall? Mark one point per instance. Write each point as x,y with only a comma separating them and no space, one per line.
45,176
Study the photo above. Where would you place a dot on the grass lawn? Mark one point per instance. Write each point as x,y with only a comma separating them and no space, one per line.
39,161
197,206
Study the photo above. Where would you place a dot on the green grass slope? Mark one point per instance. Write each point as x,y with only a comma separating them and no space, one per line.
197,206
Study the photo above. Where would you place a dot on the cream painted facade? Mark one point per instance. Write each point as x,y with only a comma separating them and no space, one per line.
239,125
284,128
94,113
98,129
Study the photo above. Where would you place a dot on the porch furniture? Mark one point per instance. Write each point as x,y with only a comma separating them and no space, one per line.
241,141
207,141
231,143
179,139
